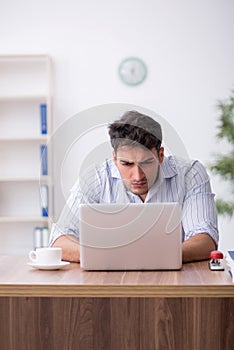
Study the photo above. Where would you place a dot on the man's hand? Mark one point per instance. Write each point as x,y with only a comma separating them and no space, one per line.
197,247
70,248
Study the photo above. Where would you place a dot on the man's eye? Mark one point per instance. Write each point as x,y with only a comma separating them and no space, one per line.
126,164
147,162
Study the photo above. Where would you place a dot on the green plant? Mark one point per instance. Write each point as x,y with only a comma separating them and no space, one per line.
224,165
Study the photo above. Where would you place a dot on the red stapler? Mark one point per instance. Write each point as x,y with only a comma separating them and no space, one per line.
215,262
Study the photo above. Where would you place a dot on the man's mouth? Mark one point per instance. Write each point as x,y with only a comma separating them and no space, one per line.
139,183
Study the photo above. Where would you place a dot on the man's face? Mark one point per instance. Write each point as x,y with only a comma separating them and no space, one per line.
138,167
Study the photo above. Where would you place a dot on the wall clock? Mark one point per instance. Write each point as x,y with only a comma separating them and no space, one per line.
132,71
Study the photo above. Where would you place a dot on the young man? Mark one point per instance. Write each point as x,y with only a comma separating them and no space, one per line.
139,172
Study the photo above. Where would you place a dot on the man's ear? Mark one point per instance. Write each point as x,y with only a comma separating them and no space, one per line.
161,155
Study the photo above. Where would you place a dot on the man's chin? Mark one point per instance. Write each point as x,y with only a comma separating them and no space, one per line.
139,191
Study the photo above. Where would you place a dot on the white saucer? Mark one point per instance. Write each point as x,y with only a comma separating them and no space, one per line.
49,267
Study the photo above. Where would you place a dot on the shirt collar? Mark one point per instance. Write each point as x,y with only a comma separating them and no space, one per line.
168,167
114,170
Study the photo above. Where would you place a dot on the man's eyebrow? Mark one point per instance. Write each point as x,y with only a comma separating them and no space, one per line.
147,160
126,160
123,160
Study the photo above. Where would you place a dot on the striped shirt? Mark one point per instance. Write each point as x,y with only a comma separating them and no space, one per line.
186,182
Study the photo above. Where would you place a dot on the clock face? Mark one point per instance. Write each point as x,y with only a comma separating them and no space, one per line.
132,71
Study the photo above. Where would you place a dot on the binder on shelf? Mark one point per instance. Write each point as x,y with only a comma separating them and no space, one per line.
44,200
40,237
45,236
44,165
43,112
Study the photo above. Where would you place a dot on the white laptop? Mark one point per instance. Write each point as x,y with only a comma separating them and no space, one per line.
130,236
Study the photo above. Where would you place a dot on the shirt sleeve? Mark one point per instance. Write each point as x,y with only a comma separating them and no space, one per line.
86,190
199,213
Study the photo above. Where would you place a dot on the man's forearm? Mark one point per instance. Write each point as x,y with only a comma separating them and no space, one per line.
70,247
197,247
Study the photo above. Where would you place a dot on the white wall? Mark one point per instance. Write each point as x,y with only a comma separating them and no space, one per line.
187,46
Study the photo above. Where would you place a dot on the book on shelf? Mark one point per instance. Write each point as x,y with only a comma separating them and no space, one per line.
43,113
229,257
44,200
44,165
40,237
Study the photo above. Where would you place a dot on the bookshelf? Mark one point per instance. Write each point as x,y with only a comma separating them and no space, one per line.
25,89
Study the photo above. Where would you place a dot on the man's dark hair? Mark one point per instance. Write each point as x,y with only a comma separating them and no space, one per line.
135,128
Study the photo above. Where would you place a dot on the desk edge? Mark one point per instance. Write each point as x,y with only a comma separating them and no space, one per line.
112,291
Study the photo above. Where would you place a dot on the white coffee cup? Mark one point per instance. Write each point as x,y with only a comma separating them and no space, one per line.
46,256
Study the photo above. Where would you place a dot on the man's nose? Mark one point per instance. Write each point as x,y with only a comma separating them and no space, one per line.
138,173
